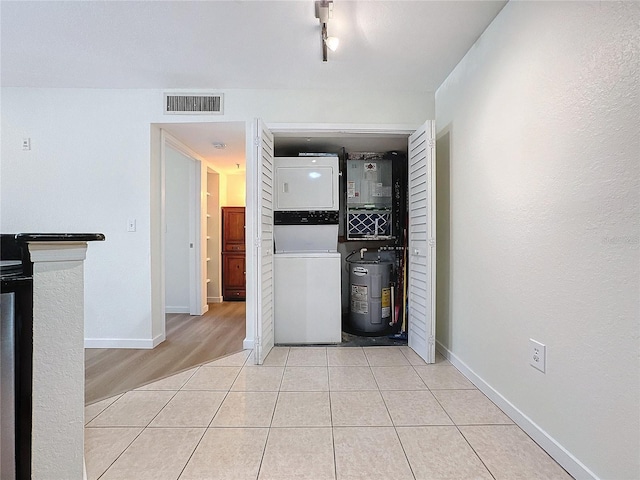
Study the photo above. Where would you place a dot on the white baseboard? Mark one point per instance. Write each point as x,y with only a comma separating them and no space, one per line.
173,309
205,308
560,454
214,299
158,339
247,344
139,343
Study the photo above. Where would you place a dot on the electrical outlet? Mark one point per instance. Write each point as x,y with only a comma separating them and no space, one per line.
131,225
26,144
537,355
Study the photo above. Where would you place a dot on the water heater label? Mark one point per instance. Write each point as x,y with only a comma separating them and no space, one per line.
360,272
386,302
359,299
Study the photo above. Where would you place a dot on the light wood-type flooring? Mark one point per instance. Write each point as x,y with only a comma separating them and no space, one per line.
190,341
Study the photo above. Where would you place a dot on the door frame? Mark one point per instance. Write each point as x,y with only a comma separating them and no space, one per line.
197,288
252,172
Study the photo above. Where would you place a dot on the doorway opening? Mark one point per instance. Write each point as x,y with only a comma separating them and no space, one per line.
420,213
218,149
215,152
377,243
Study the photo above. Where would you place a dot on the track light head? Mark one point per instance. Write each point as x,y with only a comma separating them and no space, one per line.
324,11
332,43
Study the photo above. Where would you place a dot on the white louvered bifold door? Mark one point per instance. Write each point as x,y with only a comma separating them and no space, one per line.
263,142
422,240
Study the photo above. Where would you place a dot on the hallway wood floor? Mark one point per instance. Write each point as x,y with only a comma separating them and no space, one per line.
190,341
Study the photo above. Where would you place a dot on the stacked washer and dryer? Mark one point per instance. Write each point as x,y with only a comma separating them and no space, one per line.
306,264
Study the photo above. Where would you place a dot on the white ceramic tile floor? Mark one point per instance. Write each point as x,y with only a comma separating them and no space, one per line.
311,413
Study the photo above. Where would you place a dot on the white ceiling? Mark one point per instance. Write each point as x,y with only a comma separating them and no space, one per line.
387,44
200,138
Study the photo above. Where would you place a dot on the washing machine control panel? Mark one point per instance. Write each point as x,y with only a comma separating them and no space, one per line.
313,217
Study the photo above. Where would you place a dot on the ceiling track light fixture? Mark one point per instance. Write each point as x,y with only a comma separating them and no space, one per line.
324,11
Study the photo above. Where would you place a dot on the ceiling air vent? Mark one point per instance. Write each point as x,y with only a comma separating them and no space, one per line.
207,103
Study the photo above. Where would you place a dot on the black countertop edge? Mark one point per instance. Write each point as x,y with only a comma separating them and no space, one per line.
59,237
9,282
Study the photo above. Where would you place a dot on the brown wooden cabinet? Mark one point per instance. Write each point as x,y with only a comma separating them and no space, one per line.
233,254
233,229
233,276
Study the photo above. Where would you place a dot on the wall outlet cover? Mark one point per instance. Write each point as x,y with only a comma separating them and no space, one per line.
537,355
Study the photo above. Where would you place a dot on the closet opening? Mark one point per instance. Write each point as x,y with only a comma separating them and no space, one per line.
372,230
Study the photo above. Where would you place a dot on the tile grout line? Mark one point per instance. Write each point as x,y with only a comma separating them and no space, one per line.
465,438
153,418
219,406
101,411
121,453
395,429
212,417
393,423
476,453
333,438
144,429
266,442
333,446
449,416
192,452
389,413
429,389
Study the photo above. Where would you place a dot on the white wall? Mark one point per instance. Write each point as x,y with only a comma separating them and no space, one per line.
177,189
236,190
90,169
539,149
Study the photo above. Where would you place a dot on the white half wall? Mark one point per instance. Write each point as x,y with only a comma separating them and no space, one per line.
539,223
